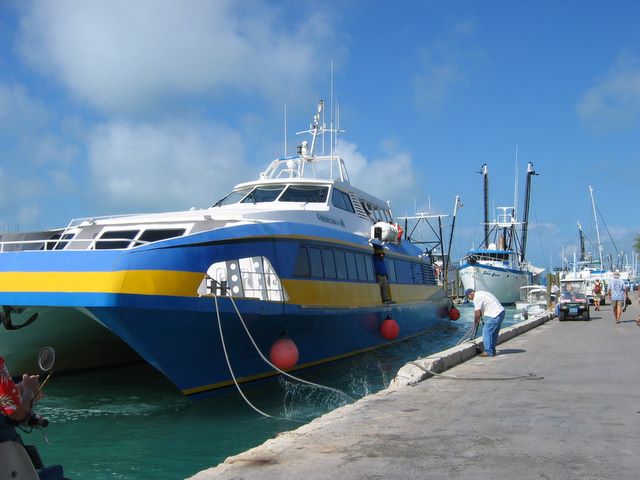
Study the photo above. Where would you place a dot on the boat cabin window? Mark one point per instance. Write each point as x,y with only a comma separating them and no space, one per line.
152,235
302,263
341,200
332,263
305,194
265,193
391,269
56,243
115,239
233,197
315,259
341,264
328,263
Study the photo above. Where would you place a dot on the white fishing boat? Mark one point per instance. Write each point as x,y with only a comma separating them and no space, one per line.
499,265
534,300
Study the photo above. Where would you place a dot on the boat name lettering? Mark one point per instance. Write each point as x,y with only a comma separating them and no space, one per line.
490,274
334,221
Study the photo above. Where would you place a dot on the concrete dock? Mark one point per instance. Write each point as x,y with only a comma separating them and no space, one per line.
580,421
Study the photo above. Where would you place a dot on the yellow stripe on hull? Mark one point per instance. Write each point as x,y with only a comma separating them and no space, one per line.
308,293
136,282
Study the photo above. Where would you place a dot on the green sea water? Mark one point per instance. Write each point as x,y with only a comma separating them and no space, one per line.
130,422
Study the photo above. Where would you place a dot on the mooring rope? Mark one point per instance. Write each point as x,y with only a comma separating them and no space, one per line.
265,359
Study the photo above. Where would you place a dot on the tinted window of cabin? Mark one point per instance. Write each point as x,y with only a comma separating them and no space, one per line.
362,269
266,193
328,263
305,194
391,270
341,264
403,272
54,242
341,200
233,197
121,239
302,263
368,264
315,260
352,270
157,235
416,270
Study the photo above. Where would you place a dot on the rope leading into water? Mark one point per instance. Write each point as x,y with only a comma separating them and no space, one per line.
265,359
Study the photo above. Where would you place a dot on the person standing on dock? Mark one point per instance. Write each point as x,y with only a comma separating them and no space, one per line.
597,292
489,309
617,293
555,291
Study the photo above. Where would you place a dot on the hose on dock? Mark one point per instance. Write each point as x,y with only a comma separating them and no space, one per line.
530,376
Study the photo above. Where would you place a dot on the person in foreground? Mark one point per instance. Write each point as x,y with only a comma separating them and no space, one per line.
487,308
16,401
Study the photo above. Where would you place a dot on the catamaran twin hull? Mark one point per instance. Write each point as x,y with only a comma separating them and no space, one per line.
280,282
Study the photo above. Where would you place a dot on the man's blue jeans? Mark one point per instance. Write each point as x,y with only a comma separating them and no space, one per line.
490,333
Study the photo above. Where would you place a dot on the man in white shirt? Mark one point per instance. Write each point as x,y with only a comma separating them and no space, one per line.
487,307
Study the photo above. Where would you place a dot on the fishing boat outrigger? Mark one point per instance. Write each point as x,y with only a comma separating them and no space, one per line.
291,254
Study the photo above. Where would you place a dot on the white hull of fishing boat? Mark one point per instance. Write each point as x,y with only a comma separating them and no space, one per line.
504,284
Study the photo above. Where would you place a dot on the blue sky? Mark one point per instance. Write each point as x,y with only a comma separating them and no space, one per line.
152,105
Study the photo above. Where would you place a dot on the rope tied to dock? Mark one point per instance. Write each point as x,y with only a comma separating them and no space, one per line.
530,376
233,376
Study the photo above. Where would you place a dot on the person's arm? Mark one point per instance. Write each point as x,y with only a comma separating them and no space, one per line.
477,317
27,388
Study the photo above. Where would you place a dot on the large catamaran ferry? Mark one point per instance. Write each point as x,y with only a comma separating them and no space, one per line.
193,293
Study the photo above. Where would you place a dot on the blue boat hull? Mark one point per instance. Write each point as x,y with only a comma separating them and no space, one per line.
148,298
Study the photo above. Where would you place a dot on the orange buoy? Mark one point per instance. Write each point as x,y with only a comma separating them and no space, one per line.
454,313
389,328
284,353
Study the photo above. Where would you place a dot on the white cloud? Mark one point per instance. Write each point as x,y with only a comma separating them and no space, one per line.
390,177
613,103
18,110
441,66
169,166
122,56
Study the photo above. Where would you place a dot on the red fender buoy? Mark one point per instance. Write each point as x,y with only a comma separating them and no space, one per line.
454,313
284,353
389,328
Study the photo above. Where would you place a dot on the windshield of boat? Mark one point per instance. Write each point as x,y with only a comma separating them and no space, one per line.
305,193
271,193
233,197
265,193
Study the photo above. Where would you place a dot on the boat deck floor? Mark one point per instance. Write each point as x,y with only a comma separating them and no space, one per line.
581,421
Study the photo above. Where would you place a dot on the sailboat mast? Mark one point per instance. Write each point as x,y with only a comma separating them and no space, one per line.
527,200
484,170
583,251
595,219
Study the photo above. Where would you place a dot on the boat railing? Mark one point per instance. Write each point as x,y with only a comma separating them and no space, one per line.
61,243
323,167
